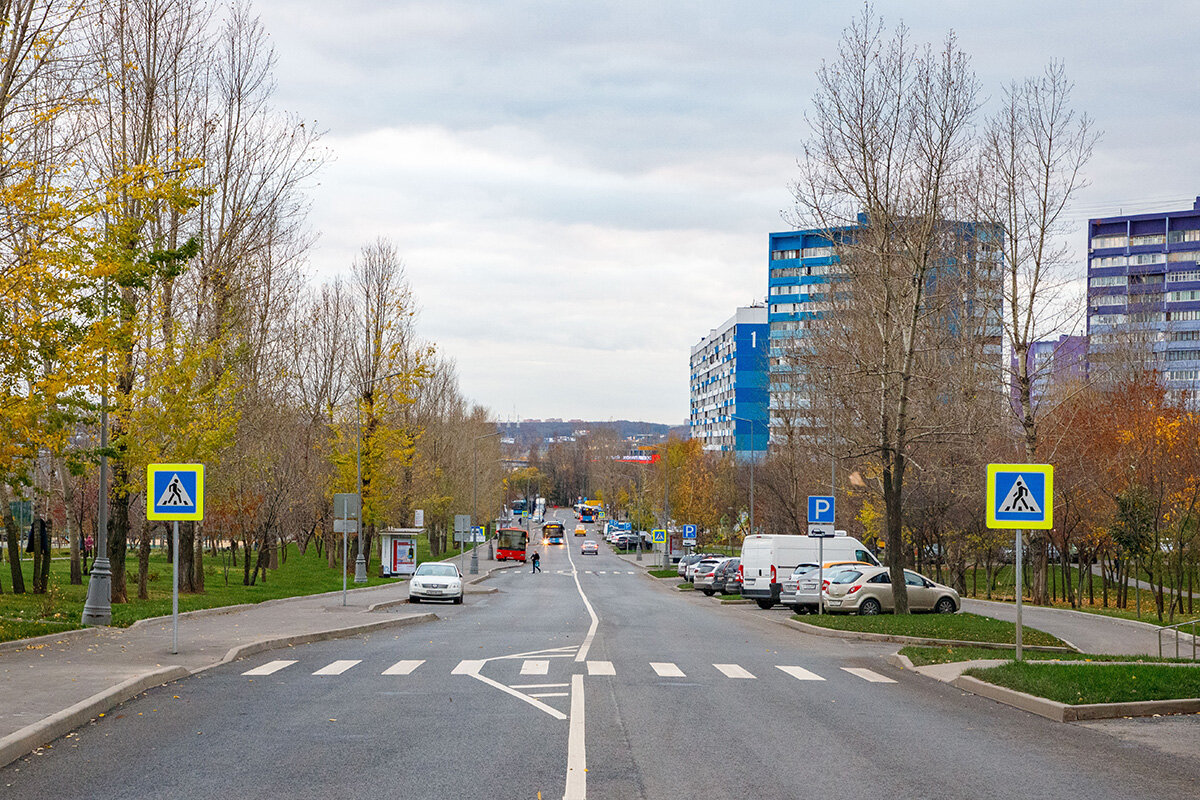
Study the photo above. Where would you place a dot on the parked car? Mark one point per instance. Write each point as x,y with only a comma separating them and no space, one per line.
727,580
701,571
868,590
690,558
802,590
589,547
766,560
436,581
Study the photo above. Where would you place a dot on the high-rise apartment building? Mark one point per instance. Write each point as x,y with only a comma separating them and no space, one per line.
729,385
1051,363
1144,294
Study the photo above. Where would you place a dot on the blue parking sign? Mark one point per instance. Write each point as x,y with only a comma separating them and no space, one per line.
820,510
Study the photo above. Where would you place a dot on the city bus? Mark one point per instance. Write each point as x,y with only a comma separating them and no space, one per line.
510,543
520,507
552,533
588,513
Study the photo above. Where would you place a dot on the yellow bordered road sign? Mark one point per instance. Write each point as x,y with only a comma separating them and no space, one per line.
1020,496
175,492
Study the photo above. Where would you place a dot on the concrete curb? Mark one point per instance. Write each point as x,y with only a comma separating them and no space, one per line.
887,637
1061,712
31,737
900,660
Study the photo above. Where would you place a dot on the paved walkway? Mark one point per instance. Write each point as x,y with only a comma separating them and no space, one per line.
44,677
1091,633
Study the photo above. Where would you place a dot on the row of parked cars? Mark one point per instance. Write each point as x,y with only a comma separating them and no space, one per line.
789,570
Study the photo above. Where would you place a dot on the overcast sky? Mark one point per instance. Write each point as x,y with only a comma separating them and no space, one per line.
581,190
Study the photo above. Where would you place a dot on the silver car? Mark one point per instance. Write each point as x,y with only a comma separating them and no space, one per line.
707,562
706,570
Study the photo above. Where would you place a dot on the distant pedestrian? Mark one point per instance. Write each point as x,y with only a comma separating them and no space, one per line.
537,562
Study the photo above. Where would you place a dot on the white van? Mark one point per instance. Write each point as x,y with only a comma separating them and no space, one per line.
768,560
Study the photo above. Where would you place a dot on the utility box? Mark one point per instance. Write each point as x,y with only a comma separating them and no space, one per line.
398,556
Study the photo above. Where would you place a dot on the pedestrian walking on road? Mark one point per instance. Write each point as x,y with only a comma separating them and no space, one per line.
536,561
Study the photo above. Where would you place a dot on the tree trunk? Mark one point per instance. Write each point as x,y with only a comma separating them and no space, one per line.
13,537
74,537
144,562
36,540
196,534
187,559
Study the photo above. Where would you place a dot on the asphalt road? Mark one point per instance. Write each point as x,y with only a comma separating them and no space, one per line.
523,694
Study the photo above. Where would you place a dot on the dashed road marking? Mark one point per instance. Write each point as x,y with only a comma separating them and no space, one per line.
867,675
666,669
600,668
269,668
801,674
403,667
535,667
337,667
733,671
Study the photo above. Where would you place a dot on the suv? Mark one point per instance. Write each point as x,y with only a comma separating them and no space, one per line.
726,580
702,572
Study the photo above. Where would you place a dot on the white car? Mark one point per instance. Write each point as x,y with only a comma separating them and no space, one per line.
436,581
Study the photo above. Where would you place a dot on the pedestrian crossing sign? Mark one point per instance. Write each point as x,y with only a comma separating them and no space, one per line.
1020,496
175,492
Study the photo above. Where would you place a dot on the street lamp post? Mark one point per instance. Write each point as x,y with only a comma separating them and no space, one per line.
475,499
360,562
97,609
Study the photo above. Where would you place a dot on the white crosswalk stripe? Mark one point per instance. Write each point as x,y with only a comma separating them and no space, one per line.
337,667
800,673
269,668
600,668
666,669
867,675
733,671
535,667
403,667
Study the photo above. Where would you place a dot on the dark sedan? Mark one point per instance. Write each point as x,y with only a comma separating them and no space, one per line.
727,580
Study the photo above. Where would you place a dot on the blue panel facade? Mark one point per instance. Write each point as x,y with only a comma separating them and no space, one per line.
729,385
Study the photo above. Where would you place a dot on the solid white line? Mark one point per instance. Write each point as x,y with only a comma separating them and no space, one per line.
591,634
733,671
801,674
551,694
403,667
269,668
600,668
576,745
538,704
538,685
666,669
337,667
535,668
867,675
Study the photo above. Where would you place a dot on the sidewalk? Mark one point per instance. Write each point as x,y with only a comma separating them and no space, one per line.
52,684
1091,633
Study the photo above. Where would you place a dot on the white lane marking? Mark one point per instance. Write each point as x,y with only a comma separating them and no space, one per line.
468,667
600,668
591,634
539,685
535,668
867,675
733,671
551,694
631,572
403,667
601,572
269,668
533,701
576,745
587,572
337,667
801,674
666,669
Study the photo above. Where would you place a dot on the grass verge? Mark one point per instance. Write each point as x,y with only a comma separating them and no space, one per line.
665,572
961,627
924,656
1077,684
685,587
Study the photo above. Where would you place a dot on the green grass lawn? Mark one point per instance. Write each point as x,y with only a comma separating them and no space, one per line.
962,627
60,609
923,656
1076,684
685,587
664,572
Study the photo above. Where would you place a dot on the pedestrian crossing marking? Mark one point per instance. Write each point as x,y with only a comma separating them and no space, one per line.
867,675
338,667
403,667
468,667
801,674
600,668
532,667
666,669
551,694
538,685
269,668
733,671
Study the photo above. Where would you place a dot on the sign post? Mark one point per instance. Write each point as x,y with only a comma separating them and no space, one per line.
1020,497
689,535
175,492
345,513
821,527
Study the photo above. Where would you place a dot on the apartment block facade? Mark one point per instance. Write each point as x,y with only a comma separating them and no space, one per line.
729,385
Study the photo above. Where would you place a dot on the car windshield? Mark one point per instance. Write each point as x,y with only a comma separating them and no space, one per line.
849,576
437,571
802,568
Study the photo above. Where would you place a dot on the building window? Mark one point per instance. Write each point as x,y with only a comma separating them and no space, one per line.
1183,355
1147,240
1108,241
1148,258
1184,374
1147,316
1183,316
1107,319
1109,261
1185,336
1108,280
1174,237
1184,276
1185,296
817,252
1182,255
1108,300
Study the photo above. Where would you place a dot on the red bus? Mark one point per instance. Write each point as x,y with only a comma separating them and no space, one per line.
510,543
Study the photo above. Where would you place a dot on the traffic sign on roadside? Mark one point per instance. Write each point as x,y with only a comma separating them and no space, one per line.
659,536
1020,496
821,531
820,510
689,535
175,492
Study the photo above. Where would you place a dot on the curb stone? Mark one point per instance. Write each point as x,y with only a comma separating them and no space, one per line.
1061,712
888,637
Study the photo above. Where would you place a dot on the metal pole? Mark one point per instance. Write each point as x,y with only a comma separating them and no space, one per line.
474,509
832,458
97,609
175,590
360,563
820,576
753,458
345,553
1018,588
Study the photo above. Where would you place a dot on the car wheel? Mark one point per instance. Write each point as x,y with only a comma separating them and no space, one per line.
414,599
765,605
869,607
799,609
945,606
458,600
707,592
